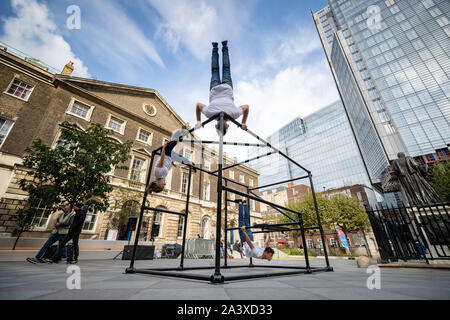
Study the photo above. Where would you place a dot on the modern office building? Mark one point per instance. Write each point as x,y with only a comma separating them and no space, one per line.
390,60
323,143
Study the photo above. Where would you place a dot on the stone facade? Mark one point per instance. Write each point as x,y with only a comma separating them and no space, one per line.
52,101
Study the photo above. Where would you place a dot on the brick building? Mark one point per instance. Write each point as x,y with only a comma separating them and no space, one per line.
34,101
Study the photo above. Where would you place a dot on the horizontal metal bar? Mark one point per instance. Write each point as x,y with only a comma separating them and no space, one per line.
270,225
246,161
179,268
164,210
174,274
274,184
225,142
259,199
264,275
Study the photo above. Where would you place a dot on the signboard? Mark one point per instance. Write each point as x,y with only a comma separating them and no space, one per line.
342,237
112,235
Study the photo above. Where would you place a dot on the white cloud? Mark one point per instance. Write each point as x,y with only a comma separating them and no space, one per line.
294,91
33,31
116,40
197,24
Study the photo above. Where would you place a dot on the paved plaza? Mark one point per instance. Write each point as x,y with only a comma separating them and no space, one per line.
105,279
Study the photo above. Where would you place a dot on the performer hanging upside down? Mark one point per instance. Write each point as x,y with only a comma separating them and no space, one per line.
221,93
165,161
251,249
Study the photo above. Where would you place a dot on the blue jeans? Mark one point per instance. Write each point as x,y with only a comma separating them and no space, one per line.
244,220
226,71
51,240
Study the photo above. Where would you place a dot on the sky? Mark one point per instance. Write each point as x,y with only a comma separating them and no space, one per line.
277,62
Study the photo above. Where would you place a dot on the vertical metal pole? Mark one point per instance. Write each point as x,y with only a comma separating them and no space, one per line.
186,217
249,215
141,215
217,277
225,227
319,222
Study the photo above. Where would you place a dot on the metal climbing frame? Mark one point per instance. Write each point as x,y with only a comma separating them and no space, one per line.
223,186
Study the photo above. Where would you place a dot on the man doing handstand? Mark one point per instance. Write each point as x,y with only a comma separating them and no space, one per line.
221,93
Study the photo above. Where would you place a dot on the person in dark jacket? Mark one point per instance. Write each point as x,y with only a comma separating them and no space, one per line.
63,222
73,234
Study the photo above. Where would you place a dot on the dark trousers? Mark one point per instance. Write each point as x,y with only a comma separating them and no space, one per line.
244,220
226,71
51,240
74,236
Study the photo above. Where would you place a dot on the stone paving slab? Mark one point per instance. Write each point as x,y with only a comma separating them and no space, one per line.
106,279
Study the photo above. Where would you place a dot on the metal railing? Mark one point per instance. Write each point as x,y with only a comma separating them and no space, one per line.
412,233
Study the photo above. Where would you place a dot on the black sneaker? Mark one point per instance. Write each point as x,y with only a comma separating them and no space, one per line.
33,260
224,43
215,44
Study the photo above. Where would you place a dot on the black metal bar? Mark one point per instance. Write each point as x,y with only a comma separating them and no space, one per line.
186,217
174,274
226,225
206,122
242,194
249,216
269,225
319,223
225,143
264,275
141,214
217,276
164,210
276,183
245,161
405,249
283,213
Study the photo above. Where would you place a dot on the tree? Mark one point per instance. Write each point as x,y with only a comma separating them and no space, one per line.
349,214
440,179
75,170
307,208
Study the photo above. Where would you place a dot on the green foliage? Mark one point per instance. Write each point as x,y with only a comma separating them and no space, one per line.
75,170
350,215
291,252
440,179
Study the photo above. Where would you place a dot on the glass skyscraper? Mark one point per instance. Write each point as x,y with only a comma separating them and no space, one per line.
390,60
323,143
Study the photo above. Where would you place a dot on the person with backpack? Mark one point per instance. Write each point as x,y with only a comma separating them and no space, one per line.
73,234
59,233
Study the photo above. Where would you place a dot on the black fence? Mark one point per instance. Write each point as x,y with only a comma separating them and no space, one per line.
412,233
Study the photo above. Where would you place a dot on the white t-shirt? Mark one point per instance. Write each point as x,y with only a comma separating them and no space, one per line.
164,171
221,100
256,252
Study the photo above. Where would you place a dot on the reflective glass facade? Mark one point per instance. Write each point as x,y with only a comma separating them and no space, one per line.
398,54
323,143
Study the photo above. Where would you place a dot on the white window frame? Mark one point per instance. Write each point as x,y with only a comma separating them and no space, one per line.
95,215
206,191
161,223
241,178
333,242
7,133
232,196
309,243
207,160
69,109
144,166
150,138
231,174
250,182
122,129
12,95
187,182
